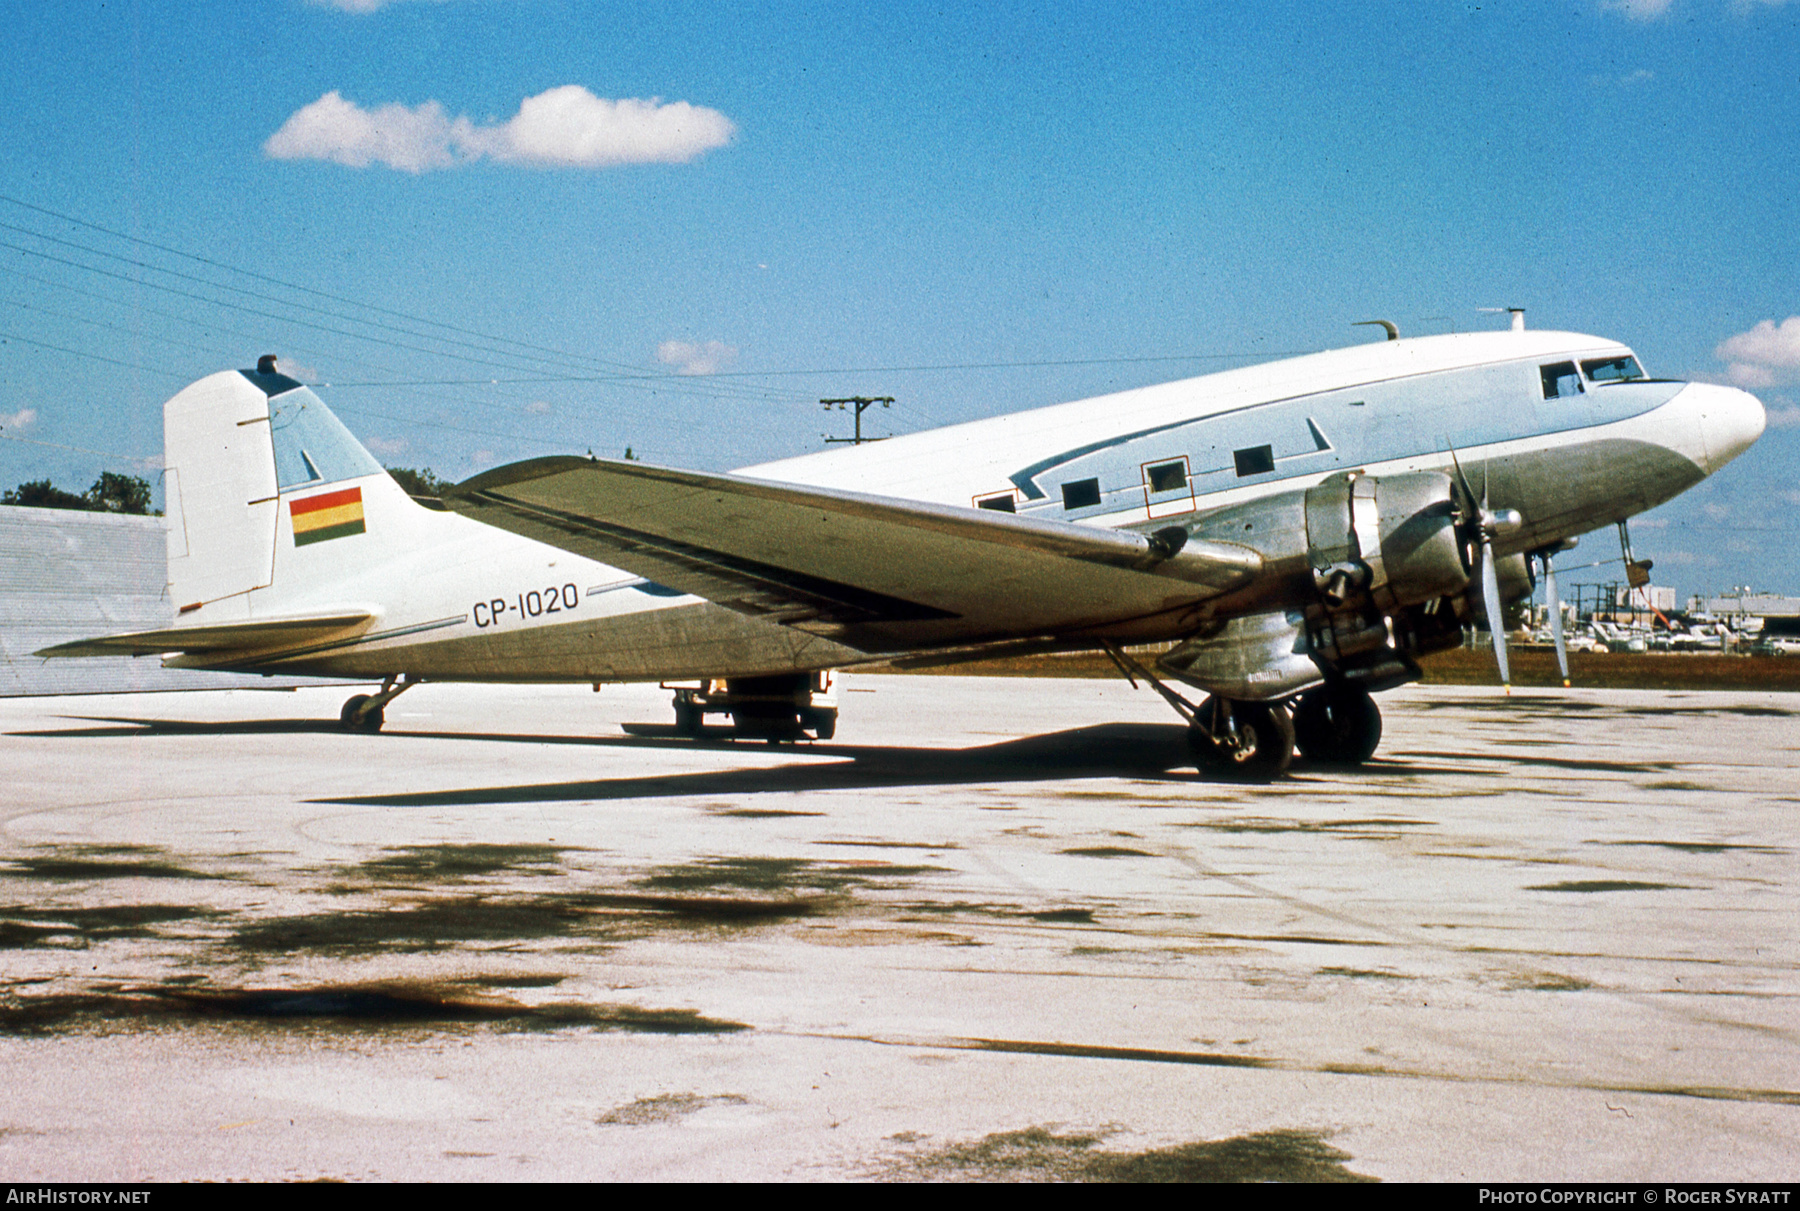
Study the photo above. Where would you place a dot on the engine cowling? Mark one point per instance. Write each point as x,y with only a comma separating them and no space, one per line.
1373,573
1392,537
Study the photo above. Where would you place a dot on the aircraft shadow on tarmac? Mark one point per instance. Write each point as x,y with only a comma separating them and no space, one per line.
1103,751
1109,750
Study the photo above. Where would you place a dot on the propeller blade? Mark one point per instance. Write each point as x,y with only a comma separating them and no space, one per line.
1467,502
1490,597
1556,621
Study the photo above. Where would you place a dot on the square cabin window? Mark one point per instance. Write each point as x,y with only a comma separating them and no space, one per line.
1560,380
1081,493
1168,477
1257,460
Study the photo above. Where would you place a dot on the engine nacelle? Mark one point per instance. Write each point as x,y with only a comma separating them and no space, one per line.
1251,658
1392,537
1371,573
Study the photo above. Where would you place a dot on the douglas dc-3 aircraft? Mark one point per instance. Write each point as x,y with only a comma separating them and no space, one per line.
1301,532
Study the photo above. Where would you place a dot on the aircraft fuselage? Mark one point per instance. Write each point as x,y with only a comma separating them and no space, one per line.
1561,428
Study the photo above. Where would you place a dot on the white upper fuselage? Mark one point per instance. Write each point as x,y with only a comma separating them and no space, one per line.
965,463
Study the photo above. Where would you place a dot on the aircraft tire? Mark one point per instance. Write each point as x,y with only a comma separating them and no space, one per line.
761,721
1337,725
370,722
1266,748
688,719
821,722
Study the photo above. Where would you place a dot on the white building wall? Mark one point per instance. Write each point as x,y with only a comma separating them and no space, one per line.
65,575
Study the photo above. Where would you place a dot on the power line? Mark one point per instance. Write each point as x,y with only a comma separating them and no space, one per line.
250,273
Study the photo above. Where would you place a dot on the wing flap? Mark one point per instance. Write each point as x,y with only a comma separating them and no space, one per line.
880,573
226,637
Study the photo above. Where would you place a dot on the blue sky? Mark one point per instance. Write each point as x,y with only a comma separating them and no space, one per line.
689,222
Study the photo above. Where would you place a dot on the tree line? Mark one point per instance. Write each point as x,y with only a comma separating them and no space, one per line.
115,493
111,493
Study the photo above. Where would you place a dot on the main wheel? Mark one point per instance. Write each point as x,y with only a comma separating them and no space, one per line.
821,721
773,722
1337,724
688,719
370,722
1261,748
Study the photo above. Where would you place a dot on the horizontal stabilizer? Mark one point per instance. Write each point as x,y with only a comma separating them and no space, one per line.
879,573
226,637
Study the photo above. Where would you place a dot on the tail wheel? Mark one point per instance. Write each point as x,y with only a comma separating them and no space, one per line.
1337,724
1242,741
370,722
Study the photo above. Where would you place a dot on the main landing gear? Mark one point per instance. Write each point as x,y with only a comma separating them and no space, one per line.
1333,724
363,713
1243,741
781,708
1337,724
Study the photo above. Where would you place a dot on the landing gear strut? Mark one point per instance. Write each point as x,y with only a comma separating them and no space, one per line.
363,713
1243,741
1337,724
778,708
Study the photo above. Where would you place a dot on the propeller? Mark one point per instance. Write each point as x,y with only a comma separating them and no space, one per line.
1556,619
1490,597
1480,524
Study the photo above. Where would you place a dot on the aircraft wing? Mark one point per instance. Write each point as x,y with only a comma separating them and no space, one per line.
225,637
878,573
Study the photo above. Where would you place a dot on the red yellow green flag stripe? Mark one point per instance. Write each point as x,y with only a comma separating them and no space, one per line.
327,515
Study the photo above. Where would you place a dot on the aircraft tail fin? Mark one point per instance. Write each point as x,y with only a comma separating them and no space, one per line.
274,509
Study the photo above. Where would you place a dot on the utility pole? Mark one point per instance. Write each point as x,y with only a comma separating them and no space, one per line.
863,403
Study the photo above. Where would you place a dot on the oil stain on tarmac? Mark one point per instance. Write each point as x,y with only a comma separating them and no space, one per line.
1040,1154
333,1008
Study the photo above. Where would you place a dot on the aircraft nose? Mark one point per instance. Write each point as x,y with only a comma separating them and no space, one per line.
1730,421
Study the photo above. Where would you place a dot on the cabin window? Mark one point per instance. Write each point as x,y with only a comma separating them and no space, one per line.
1167,477
1002,503
1257,460
1612,369
1081,493
1560,380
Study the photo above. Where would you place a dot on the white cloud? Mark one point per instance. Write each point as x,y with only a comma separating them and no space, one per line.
24,418
566,127
538,407
334,129
1641,76
1638,10
357,6
380,445
690,358
571,127
1650,10
1766,355
1784,417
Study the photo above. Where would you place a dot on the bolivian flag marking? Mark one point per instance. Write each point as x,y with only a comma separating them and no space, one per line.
328,515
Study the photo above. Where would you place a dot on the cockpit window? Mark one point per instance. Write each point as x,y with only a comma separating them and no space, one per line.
1612,369
1560,380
